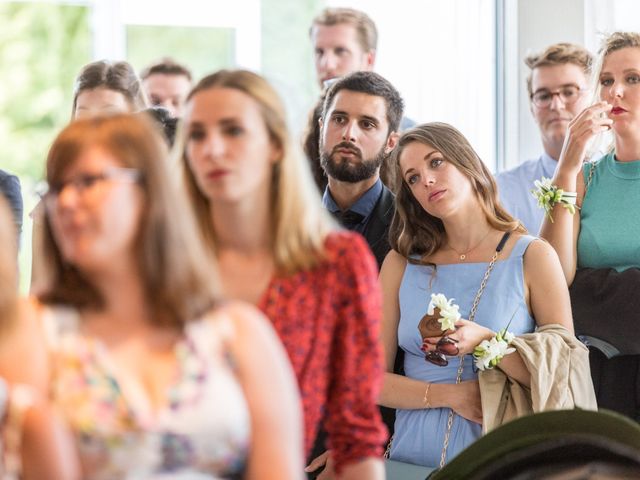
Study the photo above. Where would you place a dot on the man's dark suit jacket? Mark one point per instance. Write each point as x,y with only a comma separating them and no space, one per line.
10,187
377,231
377,235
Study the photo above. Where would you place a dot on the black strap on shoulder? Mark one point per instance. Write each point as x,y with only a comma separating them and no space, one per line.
503,240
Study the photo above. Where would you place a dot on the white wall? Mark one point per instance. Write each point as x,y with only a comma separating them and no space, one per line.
606,16
540,23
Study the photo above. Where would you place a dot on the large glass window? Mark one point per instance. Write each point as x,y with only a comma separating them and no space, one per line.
203,49
42,47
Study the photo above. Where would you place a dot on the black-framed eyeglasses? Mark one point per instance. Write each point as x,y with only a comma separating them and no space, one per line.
83,184
446,346
569,94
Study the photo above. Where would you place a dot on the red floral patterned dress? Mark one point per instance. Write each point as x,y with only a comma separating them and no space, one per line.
329,321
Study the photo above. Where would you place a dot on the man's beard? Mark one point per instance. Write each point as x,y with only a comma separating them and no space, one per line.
347,171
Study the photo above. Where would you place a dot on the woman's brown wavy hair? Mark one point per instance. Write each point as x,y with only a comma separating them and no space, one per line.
416,234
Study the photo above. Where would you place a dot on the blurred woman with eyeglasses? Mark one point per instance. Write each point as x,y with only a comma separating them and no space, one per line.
154,373
598,245
450,236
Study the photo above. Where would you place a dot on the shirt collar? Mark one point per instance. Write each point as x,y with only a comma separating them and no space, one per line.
364,205
328,201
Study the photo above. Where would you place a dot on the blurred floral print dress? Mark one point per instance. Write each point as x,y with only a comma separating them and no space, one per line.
202,432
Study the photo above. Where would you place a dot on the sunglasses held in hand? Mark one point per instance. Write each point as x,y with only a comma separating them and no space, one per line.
429,326
445,346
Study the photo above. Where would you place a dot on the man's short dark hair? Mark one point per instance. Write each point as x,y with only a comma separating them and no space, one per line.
166,66
370,83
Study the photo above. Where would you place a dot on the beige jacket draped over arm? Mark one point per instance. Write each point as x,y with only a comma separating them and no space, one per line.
560,378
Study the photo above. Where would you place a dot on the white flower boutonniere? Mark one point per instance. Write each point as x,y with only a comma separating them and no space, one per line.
548,195
449,313
489,353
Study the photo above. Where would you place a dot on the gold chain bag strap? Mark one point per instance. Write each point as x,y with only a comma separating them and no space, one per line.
472,315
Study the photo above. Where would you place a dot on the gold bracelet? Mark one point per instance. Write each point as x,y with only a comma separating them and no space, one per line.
425,400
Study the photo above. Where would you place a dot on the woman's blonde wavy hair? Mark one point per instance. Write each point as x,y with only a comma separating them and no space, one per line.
604,142
611,43
416,234
301,224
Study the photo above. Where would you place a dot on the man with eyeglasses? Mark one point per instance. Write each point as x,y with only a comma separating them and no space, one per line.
558,91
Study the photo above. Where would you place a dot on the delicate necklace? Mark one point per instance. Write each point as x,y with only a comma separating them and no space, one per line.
463,256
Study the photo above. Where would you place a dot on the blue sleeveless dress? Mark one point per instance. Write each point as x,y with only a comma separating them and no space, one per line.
419,434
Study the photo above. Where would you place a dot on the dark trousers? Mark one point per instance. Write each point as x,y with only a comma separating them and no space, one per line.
617,382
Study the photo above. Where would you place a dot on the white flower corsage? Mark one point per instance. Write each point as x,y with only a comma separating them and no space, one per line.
489,353
548,195
449,313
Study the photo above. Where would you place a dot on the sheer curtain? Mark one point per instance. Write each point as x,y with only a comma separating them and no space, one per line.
441,57
607,16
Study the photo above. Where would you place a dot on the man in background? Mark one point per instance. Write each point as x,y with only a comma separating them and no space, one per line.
167,84
558,87
344,41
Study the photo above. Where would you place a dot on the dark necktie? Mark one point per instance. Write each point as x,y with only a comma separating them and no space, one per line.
348,218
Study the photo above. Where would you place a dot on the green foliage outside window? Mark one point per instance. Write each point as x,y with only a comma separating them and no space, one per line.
42,48
202,50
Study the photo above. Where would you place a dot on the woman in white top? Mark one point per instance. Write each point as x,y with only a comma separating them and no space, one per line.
154,374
